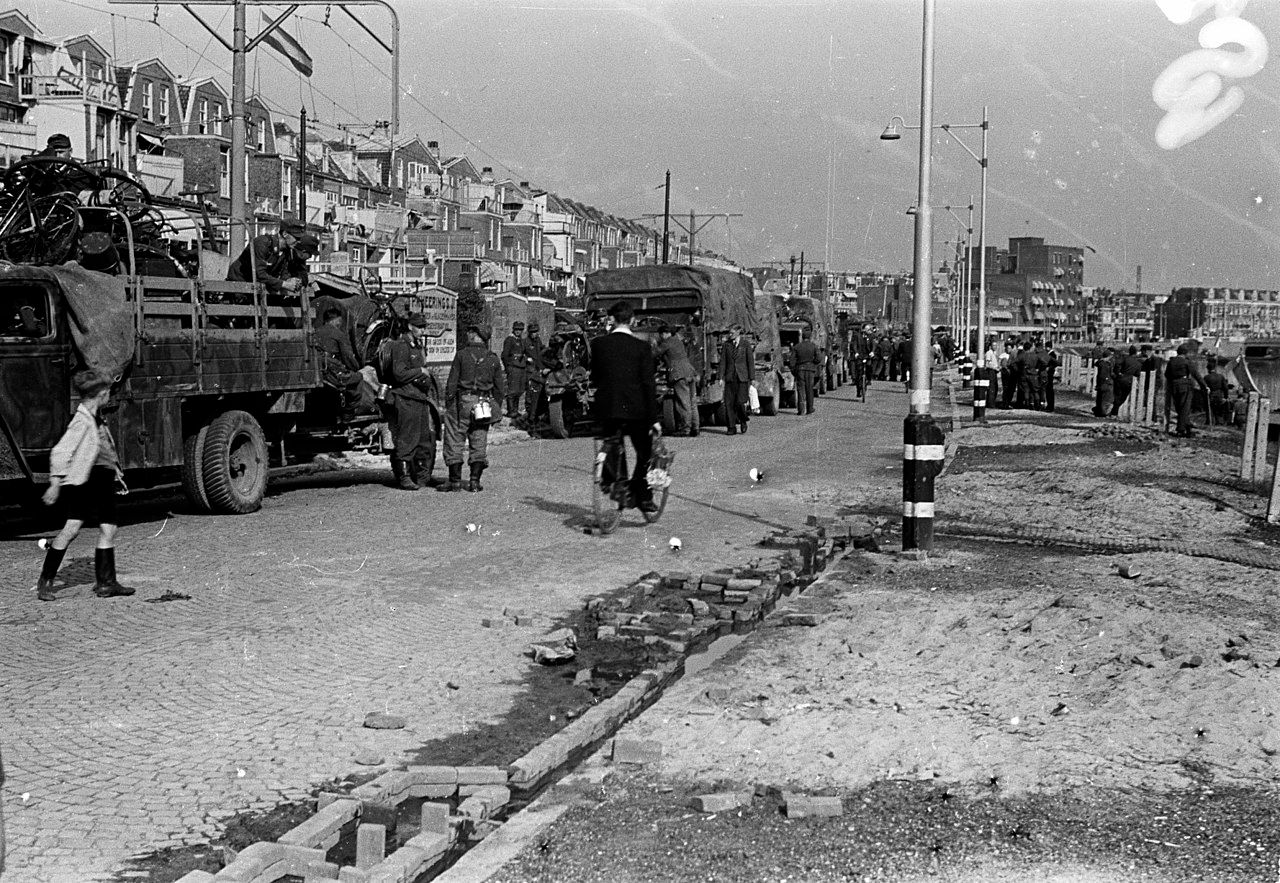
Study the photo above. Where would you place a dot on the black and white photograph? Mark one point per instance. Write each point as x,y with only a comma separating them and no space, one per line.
596,441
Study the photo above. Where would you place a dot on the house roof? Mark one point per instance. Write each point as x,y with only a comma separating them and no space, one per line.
15,21
154,62
462,167
67,42
206,84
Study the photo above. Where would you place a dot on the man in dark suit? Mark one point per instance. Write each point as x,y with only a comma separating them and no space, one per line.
624,375
738,371
805,362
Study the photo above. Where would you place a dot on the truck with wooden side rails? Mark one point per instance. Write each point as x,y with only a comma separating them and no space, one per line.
217,382
698,303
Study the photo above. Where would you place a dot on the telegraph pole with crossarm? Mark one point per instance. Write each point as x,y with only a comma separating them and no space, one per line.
240,46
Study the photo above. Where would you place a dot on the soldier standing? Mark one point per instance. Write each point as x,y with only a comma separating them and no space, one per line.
1183,378
534,374
414,456
1127,367
1054,362
805,361
472,397
513,363
1104,384
680,375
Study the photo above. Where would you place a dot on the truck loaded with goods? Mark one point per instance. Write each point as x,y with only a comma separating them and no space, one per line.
698,303
215,383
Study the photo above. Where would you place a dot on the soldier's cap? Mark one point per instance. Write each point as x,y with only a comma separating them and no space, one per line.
517,325
309,242
479,330
58,142
533,326
293,228
417,320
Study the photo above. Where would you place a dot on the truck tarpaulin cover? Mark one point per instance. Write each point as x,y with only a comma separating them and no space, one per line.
100,316
727,297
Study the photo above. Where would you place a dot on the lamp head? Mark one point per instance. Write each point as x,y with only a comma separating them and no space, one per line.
891,132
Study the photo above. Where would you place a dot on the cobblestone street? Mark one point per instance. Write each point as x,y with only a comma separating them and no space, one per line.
133,726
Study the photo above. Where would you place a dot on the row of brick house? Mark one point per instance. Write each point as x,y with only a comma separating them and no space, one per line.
411,216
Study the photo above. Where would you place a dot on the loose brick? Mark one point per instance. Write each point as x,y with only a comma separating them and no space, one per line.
699,607
496,622
733,596
481,775
353,875
435,818
315,872
715,579
371,845
583,676
721,802
636,751
635,630
802,619
325,826
606,631
742,585
826,807
433,775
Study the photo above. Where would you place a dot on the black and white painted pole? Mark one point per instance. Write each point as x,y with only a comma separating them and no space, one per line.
921,437
981,391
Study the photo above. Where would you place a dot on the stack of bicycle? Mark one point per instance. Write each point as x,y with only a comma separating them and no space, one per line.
54,210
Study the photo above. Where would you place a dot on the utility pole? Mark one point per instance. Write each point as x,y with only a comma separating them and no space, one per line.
666,221
240,46
696,223
302,166
801,286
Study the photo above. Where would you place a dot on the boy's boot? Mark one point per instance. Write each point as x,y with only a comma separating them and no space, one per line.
52,561
106,585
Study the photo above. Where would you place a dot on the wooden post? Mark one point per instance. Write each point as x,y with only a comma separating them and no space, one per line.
1273,504
1260,445
1248,453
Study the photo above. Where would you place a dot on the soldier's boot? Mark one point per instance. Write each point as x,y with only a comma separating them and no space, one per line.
52,561
399,469
106,585
424,471
455,479
477,469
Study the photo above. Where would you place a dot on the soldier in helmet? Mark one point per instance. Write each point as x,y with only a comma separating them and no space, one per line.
514,362
415,445
472,400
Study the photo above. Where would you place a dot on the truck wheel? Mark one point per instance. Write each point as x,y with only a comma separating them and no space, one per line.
235,463
668,415
193,470
555,414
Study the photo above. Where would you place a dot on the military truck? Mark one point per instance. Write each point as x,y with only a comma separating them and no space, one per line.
217,382
699,303
798,313
775,383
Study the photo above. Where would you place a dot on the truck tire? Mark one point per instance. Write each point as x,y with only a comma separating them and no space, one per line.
668,415
235,464
193,470
769,406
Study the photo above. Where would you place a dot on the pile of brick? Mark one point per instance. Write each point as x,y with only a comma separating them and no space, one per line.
464,804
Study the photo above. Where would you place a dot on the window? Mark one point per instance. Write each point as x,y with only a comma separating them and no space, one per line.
217,119
148,99
7,60
25,314
204,117
224,173
286,187
164,105
261,127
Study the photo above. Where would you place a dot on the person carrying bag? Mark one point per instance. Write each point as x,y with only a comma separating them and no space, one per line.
472,400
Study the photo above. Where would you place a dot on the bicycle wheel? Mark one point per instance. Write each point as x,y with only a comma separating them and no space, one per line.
609,468
51,235
120,190
660,478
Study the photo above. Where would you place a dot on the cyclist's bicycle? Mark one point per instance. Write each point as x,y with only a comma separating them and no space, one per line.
861,376
611,492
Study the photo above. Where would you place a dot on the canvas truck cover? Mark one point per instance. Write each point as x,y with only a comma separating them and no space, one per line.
807,309
98,312
726,297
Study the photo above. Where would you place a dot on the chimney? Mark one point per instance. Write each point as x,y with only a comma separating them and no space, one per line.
524,185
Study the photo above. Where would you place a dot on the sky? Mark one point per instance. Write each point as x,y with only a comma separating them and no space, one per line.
772,110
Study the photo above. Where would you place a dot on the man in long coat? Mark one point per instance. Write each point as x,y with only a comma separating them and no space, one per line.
738,371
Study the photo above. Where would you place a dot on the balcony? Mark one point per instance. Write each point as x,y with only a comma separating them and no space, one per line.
458,245
32,87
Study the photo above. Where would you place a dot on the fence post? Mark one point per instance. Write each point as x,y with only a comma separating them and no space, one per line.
1260,445
1149,404
1273,504
1248,456
1137,396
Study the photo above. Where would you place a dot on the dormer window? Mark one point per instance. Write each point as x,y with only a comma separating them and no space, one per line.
148,99
217,119
164,105
204,117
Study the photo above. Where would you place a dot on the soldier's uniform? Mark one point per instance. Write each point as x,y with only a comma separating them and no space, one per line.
1183,379
1104,384
514,364
415,443
475,376
533,381
1127,367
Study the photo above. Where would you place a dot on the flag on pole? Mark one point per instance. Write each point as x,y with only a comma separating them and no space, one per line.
291,49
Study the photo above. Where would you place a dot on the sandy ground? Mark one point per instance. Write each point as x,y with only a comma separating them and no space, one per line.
1031,667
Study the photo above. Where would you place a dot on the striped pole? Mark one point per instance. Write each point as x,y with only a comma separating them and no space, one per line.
981,392
922,457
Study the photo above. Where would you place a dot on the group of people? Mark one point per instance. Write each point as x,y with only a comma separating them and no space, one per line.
1027,375
1117,369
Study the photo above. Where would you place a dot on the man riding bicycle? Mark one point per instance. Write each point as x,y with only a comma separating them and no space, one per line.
624,375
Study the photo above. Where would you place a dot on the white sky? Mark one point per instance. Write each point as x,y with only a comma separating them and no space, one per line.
773,109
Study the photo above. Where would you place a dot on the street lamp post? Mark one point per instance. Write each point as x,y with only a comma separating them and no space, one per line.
922,450
982,375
